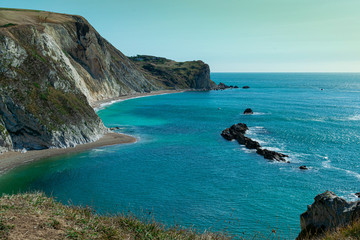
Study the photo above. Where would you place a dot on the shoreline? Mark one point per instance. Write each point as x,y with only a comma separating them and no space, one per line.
98,105
11,160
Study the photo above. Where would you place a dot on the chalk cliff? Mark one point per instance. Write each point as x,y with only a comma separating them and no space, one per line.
52,67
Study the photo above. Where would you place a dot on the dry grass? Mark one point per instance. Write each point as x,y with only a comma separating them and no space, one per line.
24,16
350,232
35,216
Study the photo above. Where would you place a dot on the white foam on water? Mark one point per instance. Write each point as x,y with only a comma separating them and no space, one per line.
260,113
354,118
327,164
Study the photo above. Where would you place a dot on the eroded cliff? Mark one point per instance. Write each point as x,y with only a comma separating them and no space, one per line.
52,66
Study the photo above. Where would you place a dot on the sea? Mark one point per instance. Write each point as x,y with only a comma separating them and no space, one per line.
182,172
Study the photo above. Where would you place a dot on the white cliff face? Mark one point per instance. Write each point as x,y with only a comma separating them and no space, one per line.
5,139
11,56
98,69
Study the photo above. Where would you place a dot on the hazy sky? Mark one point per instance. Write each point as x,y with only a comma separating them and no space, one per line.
229,35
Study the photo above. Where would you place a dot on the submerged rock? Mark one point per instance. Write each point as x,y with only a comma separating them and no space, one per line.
303,167
245,87
248,111
327,213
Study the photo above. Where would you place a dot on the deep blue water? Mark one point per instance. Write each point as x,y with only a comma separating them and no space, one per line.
185,173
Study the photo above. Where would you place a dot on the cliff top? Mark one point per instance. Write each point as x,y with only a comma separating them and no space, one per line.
10,17
20,219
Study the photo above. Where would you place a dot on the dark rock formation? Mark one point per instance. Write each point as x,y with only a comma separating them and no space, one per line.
327,213
303,167
248,111
357,194
223,86
271,155
237,131
245,87
234,131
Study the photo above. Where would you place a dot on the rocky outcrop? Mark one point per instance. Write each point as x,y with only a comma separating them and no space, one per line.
271,155
223,86
237,132
175,75
52,67
328,212
245,87
248,111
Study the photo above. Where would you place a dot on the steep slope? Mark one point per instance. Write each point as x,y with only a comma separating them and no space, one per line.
171,74
52,66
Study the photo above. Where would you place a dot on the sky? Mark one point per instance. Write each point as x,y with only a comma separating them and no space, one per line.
229,35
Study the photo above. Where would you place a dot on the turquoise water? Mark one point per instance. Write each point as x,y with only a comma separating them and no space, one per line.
185,173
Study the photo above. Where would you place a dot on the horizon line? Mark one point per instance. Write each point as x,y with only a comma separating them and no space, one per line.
277,72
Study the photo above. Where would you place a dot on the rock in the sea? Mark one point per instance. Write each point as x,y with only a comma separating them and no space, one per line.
248,111
303,167
223,86
271,155
237,131
227,135
357,194
245,87
239,128
248,142
327,213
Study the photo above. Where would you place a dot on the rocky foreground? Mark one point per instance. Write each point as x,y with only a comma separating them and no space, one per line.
237,132
327,214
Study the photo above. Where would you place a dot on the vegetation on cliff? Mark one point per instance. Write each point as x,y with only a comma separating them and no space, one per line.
35,216
175,75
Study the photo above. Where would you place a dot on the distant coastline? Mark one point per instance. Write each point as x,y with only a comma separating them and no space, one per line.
97,105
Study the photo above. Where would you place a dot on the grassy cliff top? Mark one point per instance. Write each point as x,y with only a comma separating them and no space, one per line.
35,216
10,17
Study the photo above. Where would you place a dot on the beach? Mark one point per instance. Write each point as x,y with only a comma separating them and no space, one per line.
101,103
10,160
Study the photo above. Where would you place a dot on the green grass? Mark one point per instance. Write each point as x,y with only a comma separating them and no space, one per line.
34,215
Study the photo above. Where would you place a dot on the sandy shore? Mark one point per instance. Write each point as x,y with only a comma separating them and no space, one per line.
101,103
10,160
